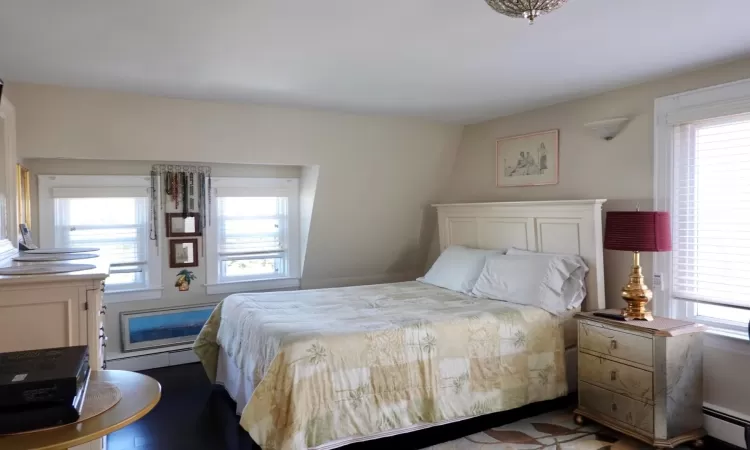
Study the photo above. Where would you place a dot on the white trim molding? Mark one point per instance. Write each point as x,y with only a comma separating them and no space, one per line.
670,111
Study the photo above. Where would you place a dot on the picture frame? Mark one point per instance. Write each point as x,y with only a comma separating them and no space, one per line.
528,160
162,327
180,226
183,253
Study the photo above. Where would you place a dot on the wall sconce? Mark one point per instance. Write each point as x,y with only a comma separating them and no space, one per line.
607,129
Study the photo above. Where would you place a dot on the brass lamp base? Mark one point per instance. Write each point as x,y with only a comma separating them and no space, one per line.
637,294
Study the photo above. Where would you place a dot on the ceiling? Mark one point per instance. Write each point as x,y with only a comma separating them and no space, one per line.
452,60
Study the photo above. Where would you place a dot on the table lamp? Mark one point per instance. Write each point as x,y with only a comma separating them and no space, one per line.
638,231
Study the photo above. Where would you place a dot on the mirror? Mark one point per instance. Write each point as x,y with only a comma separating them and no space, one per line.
179,226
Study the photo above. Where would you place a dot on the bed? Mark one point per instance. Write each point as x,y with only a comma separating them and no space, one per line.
320,369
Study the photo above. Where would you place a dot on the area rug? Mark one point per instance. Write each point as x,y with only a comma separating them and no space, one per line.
554,431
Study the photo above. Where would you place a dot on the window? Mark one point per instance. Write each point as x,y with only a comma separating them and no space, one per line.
707,152
253,240
109,213
117,226
711,259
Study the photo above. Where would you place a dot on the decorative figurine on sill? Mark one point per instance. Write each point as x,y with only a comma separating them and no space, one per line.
184,277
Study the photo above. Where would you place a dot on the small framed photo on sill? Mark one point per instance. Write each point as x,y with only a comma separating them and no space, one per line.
183,253
183,226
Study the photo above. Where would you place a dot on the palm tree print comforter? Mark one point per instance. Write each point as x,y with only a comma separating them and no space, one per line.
336,365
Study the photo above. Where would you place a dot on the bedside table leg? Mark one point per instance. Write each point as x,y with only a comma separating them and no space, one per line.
579,419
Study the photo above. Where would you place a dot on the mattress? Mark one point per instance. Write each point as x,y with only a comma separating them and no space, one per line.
324,368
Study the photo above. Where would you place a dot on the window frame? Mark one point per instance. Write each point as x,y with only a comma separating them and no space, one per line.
8,161
670,111
271,187
152,265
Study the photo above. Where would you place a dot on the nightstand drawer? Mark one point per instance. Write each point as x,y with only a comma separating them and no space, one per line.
627,346
615,376
625,410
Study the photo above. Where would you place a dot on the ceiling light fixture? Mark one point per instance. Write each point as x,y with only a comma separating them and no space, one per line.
527,9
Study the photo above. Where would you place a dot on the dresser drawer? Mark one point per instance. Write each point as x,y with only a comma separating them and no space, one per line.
615,376
625,410
627,346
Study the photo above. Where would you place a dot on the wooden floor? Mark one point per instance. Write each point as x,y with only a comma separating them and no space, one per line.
194,415
186,418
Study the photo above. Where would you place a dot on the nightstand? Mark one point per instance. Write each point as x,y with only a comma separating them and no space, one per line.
643,379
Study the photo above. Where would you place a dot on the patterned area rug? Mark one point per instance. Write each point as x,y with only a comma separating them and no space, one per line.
553,431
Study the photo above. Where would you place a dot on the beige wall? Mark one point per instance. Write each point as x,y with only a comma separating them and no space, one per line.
376,175
620,170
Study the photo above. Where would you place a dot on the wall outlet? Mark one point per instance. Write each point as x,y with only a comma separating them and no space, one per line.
657,282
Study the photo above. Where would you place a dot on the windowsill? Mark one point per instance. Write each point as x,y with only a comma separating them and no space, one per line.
133,295
253,286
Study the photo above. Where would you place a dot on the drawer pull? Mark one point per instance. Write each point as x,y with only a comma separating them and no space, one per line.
613,375
613,344
614,407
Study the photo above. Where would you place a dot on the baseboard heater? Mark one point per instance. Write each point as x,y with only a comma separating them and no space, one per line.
726,425
153,360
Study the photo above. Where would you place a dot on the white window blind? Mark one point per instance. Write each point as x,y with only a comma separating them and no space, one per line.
253,237
711,223
118,226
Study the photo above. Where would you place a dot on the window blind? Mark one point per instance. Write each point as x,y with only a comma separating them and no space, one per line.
252,237
711,224
117,226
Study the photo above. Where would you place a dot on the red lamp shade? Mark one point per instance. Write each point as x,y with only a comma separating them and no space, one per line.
638,231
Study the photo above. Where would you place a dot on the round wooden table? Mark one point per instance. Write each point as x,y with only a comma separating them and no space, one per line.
140,393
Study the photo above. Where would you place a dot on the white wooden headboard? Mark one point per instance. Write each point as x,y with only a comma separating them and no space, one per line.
569,226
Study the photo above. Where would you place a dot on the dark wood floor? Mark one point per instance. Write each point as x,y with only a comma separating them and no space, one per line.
182,419
194,415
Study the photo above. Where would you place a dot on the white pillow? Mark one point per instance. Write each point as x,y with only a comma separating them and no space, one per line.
574,289
458,268
526,280
517,251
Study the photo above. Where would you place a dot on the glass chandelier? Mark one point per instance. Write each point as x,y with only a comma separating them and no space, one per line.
528,9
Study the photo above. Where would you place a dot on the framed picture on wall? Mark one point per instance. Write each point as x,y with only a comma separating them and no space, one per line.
183,253
528,160
181,226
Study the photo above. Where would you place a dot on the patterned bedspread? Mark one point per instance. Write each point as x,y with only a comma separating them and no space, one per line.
358,361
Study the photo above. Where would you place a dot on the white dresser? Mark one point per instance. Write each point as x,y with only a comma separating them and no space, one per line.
56,310
644,379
